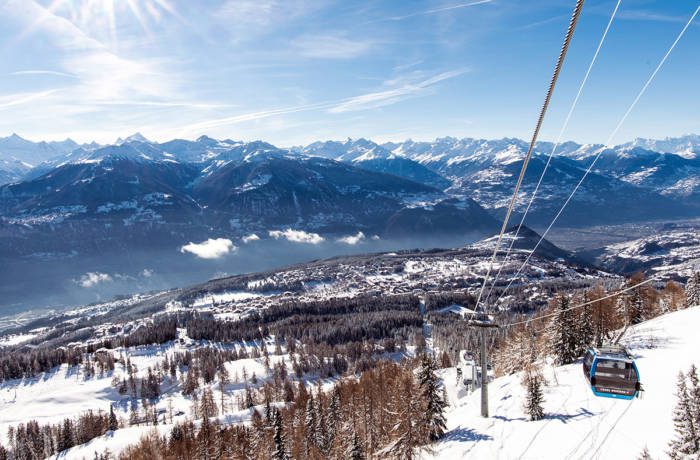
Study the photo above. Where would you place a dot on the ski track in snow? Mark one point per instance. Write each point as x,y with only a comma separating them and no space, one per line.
578,424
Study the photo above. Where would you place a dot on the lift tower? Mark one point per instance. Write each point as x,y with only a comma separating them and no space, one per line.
483,322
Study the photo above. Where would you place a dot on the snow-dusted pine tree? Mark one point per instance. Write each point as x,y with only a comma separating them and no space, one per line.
207,406
585,329
310,423
692,290
332,418
563,340
645,455
320,428
113,423
354,450
431,394
279,438
694,392
686,442
532,381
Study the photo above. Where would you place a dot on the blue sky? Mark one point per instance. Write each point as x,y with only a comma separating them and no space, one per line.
291,72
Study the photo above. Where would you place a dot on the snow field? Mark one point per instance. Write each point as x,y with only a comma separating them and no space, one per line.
578,424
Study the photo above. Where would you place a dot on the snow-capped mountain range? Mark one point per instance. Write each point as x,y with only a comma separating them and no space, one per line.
448,185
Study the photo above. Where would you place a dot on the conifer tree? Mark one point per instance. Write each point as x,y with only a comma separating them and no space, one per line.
224,380
563,339
113,423
310,423
434,404
354,450
320,425
692,290
686,442
532,381
279,438
585,329
258,438
645,455
207,406
66,439
332,418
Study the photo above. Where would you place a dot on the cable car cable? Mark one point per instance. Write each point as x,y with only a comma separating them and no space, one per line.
556,144
540,119
597,156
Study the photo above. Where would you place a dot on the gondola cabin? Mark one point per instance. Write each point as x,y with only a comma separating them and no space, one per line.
611,372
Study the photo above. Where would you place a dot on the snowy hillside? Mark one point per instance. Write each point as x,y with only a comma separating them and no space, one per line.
577,423
668,254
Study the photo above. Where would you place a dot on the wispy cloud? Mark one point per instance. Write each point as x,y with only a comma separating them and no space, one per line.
331,46
437,10
44,72
405,89
394,95
24,98
645,15
247,20
100,74
252,116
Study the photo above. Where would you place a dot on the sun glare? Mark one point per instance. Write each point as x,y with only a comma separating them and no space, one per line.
102,19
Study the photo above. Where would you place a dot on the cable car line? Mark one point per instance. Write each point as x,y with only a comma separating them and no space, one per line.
540,119
556,144
597,156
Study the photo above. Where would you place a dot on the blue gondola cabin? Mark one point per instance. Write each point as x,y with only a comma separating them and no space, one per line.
611,372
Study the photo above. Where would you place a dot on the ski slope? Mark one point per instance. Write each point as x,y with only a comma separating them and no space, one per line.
578,424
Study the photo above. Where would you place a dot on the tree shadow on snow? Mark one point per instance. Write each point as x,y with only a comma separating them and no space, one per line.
508,419
465,435
564,418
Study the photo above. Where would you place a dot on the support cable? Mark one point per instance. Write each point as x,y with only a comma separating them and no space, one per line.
556,145
557,69
597,156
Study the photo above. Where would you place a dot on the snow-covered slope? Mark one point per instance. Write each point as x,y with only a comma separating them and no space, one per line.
577,423
671,254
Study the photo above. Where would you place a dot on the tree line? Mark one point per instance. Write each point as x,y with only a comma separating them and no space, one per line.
387,413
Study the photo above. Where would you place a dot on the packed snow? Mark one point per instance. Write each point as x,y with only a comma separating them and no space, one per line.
577,423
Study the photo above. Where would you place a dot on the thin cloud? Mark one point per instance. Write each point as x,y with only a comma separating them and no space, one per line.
253,116
331,47
437,10
644,15
45,72
392,96
185,104
356,103
23,98
102,75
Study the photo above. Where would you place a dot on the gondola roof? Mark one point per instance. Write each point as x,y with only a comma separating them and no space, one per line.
613,352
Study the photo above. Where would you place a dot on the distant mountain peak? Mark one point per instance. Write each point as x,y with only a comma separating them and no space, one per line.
136,137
